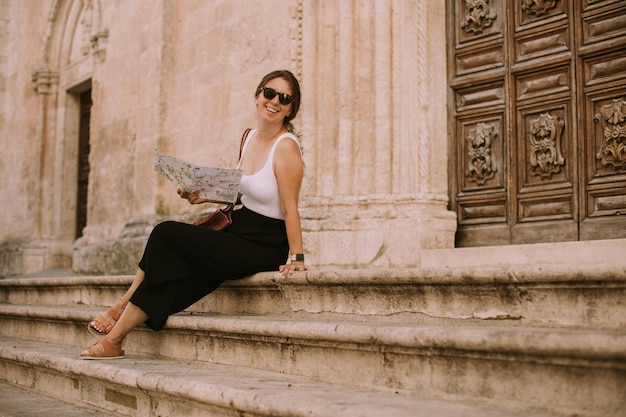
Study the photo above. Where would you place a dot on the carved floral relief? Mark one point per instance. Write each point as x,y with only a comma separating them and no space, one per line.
544,135
538,7
479,144
479,15
613,151
86,21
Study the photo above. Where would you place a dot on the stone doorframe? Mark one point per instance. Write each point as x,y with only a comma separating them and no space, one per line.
73,44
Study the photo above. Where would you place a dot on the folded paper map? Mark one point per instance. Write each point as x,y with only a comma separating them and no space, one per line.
215,184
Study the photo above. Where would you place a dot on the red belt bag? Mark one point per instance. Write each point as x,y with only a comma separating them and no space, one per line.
221,219
218,220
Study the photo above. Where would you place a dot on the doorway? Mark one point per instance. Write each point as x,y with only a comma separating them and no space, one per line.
83,162
537,105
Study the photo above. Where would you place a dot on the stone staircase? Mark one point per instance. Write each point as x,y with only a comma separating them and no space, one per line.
461,336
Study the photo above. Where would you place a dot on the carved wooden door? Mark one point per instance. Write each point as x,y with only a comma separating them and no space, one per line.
538,132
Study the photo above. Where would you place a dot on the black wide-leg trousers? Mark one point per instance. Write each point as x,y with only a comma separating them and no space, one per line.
183,263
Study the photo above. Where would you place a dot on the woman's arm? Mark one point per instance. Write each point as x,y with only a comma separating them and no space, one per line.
289,170
194,197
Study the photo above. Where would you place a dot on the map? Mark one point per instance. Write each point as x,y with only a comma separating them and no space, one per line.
215,184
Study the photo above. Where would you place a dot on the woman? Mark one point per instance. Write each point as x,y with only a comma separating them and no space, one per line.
182,263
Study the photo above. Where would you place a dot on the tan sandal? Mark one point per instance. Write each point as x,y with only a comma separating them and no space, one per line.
106,321
102,350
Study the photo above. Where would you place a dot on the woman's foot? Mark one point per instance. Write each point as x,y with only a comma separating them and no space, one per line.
102,325
103,350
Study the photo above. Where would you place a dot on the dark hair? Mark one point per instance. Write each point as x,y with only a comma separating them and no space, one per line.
295,92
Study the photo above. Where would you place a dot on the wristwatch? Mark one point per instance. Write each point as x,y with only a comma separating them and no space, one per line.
298,257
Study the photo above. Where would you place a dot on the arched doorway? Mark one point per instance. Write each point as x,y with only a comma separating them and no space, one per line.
73,44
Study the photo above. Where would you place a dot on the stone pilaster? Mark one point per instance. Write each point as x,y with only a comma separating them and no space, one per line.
376,180
39,252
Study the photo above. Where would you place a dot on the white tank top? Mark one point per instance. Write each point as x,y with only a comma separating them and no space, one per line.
259,191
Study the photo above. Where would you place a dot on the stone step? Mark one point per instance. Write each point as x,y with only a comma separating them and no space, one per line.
16,401
63,290
586,296
584,252
147,386
553,369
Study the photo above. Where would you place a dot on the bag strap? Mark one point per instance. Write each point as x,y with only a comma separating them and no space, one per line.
231,206
243,140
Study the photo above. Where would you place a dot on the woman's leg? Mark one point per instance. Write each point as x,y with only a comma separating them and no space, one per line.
110,347
139,276
131,318
104,323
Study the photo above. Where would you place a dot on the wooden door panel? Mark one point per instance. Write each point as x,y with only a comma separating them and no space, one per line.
483,210
542,44
602,41
547,208
477,21
483,59
483,235
605,190
547,231
480,179
604,26
539,102
604,69
591,5
530,13
482,154
602,60
544,83
544,199
546,159
607,202
480,96
482,193
606,156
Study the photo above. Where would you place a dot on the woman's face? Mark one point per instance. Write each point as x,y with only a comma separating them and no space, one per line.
272,110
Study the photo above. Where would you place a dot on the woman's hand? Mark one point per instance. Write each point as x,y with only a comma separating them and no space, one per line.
289,268
193,197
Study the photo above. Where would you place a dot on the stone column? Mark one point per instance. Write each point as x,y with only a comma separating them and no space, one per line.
36,254
375,125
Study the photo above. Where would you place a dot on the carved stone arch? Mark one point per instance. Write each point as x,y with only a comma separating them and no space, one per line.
73,43
66,19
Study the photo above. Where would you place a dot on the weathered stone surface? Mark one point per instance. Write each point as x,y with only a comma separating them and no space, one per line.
180,75
156,387
545,337
18,401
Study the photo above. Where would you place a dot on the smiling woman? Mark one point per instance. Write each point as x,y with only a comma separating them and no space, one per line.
182,263
268,87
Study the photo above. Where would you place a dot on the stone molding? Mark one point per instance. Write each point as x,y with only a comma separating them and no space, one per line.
45,81
99,44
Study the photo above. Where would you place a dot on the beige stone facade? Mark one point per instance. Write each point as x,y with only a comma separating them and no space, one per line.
180,75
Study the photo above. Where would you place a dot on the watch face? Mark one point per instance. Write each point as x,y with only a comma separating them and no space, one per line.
300,257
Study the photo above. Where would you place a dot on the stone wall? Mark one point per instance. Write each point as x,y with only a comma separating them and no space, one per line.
180,75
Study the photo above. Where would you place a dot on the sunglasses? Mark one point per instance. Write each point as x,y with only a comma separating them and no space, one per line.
269,93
